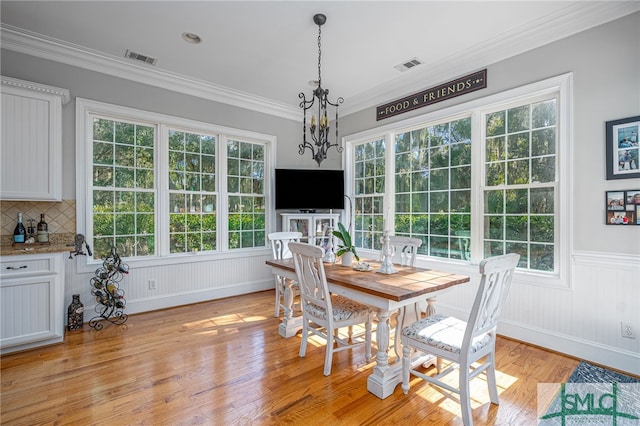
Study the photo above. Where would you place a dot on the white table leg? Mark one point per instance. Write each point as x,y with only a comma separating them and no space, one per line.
384,377
290,324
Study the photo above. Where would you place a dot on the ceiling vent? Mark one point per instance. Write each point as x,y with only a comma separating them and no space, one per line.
406,66
138,57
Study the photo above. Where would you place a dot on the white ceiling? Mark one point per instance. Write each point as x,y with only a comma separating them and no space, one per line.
266,51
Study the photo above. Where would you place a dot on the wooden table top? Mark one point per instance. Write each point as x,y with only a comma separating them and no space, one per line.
407,283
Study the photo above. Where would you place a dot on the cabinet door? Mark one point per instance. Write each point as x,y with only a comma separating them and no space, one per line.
31,147
31,301
30,315
321,224
299,224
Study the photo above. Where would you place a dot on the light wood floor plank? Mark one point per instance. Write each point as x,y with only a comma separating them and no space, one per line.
224,363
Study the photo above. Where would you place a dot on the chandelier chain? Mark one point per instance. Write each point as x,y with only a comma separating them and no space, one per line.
319,54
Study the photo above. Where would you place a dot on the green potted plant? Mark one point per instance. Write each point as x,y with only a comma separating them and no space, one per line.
346,250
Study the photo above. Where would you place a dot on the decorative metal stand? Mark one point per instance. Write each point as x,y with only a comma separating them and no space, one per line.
106,288
387,264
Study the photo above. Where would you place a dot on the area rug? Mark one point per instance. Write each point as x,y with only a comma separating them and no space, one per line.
588,373
592,395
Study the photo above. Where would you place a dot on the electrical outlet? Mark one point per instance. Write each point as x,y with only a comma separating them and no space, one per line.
627,330
153,285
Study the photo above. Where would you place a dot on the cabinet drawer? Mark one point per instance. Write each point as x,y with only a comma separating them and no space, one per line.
27,266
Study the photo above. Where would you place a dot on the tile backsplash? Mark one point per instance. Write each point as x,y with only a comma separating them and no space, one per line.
60,215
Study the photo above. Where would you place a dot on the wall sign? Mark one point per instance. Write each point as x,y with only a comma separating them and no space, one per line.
460,86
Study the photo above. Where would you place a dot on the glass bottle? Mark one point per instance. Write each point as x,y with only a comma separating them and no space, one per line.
43,230
19,233
75,314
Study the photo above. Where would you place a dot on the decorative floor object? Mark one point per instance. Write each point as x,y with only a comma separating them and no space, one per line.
589,373
592,395
105,286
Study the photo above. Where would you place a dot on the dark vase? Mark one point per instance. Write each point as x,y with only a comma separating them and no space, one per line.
75,318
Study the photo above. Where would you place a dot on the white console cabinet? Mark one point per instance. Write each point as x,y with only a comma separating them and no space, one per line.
31,301
312,225
31,143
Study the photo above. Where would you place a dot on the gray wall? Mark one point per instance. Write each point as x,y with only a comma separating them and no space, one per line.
605,62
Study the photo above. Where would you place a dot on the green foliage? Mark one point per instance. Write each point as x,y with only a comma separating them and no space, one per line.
347,246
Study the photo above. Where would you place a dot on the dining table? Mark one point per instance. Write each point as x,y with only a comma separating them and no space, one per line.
401,291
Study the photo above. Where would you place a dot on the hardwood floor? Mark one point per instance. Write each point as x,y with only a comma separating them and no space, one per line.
224,363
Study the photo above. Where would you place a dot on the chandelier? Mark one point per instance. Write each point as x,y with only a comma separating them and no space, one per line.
318,141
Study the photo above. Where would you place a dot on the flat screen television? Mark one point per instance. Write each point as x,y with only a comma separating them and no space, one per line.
309,189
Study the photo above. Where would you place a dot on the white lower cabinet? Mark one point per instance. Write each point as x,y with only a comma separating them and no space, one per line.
31,301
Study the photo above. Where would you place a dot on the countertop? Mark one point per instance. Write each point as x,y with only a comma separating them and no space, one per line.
57,243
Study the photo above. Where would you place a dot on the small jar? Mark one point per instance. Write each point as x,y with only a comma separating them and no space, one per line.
75,314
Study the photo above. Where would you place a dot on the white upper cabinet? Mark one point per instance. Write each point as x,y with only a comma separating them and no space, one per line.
31,144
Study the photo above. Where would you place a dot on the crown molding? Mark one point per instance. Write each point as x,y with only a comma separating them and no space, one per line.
37,87
38,45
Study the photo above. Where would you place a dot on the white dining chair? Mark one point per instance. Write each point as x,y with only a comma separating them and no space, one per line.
403,252
463,342
280,249
404,249
324,313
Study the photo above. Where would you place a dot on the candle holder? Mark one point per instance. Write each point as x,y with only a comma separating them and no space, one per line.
386,267
329,255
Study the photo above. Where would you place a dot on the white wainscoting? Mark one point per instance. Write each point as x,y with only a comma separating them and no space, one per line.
180,283
582,320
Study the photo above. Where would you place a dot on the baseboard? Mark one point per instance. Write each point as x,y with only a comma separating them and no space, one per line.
615,358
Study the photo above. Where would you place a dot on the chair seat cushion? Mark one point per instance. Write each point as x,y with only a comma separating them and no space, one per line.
443,332
343,309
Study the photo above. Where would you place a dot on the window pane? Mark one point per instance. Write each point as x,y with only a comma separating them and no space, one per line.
102,153
495,123
103,130
542,200
494,201
543,142
518,119
542,229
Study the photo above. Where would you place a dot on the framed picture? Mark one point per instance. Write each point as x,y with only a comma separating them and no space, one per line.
623,151
623,207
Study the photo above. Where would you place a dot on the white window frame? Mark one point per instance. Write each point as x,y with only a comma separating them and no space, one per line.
84,161
563,86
